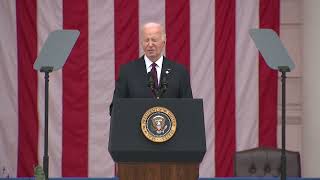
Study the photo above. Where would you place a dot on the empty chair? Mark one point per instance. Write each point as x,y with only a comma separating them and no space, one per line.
265,162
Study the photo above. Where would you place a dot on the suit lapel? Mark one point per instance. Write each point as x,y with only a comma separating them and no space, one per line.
141,68
142,75
166,68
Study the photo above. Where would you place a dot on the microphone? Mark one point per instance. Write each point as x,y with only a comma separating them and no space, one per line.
151,85
164,82
150,80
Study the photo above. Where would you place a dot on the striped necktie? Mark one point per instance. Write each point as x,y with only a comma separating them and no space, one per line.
154,75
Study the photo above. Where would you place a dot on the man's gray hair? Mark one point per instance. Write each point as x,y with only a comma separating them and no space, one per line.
154,24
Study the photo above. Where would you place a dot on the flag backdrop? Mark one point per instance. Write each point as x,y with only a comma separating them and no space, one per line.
209,37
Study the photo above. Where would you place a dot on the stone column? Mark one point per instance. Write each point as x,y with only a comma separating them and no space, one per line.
311,89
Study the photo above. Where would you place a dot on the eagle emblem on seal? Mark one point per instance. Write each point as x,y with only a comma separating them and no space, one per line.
158,123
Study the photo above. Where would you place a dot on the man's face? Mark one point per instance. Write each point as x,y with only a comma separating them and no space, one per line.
152,42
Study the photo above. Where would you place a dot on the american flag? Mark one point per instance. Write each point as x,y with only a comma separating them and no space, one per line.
209,37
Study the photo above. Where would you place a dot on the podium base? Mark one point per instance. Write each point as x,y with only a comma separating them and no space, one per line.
158,171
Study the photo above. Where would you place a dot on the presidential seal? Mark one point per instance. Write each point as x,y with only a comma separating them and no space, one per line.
158,124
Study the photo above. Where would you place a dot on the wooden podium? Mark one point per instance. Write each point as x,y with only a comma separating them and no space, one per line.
158,171
141,159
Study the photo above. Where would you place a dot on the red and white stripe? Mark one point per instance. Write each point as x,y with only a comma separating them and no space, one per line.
209,37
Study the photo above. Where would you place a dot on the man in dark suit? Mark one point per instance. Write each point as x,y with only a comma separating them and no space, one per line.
152,75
